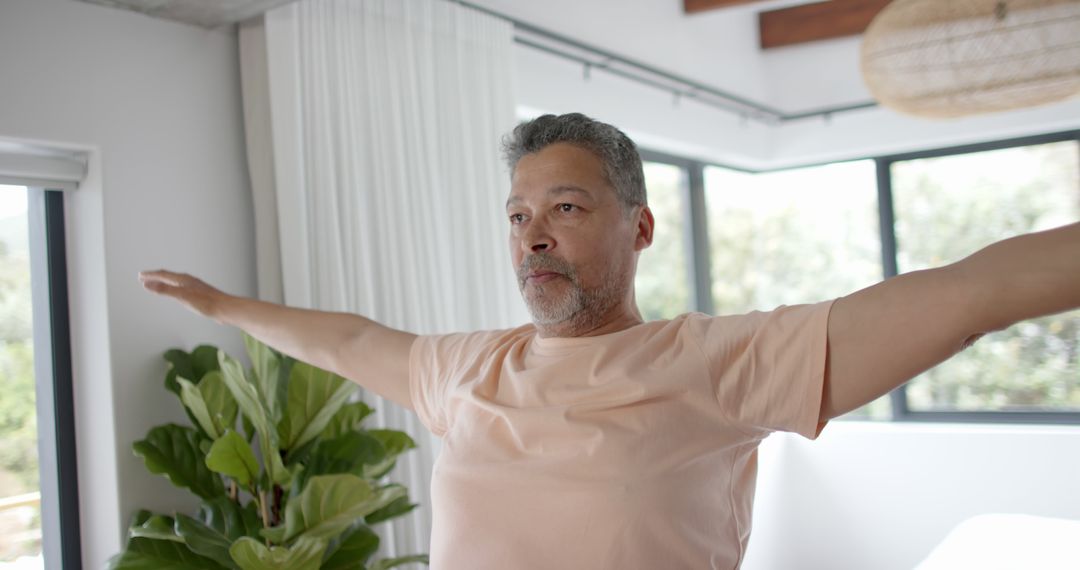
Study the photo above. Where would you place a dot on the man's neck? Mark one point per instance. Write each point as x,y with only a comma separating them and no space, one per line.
582,324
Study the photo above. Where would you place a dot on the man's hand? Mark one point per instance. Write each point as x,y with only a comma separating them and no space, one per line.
191,291
362,350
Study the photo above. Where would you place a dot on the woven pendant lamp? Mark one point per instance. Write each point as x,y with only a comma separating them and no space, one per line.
951,58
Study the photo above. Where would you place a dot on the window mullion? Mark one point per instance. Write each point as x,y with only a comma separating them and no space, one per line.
698,238
887,225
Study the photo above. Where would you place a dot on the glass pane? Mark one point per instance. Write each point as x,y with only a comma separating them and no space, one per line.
20,513
795,236
949,207
662,286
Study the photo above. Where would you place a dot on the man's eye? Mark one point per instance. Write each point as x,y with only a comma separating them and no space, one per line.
517,218
567,207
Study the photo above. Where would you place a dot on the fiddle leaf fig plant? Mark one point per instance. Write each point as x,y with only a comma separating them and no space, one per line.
286,475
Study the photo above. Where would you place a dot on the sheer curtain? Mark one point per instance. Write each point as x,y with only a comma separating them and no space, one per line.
373,130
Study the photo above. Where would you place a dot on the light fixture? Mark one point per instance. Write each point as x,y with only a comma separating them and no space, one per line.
951,58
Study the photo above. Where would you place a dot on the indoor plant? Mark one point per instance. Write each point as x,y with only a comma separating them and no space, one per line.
295,488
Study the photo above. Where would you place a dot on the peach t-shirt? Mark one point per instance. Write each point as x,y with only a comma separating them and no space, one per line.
630,450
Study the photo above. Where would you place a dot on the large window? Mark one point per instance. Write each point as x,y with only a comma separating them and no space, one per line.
729,241
948,207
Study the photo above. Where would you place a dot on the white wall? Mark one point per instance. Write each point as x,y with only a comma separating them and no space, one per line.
881,496
158,106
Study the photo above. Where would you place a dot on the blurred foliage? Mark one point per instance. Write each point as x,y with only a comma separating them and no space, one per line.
18,421
949,207
18,417
663,282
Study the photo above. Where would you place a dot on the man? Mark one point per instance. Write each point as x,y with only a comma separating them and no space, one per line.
589,439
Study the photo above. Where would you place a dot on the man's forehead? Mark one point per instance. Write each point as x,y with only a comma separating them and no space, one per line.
553,192
559,169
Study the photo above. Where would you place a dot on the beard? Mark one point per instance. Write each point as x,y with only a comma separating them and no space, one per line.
564,300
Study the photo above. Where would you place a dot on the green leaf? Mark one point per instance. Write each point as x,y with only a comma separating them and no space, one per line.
180,366
226,517
191,366
315,396
400,506
219,401
210,403
231,455
149,554
301,454
387,563
396,443
249,429
247,397
266,364
305,554
329,504
346,454
173,451
204,359
352,549
204,540
150,525
346,420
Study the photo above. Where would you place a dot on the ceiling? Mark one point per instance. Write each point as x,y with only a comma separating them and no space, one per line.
778,26
203,13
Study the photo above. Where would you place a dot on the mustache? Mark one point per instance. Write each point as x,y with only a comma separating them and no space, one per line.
545,262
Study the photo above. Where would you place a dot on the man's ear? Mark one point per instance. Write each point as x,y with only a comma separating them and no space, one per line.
645,224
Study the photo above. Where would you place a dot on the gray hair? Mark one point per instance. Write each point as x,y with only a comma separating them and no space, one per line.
619,155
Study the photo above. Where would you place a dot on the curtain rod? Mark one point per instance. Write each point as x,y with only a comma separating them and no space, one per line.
591,57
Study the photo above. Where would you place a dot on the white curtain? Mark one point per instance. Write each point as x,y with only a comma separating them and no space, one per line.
373,129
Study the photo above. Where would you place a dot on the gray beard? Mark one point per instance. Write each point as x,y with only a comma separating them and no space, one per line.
576,308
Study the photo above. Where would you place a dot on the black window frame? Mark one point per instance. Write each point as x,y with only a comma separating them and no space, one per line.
697,239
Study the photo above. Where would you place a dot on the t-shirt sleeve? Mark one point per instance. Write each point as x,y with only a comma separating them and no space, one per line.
436,364
768,368
428,380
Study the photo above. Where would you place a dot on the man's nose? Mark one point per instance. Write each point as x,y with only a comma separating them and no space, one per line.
537,238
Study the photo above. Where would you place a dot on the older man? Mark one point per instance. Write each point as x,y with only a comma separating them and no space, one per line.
592,439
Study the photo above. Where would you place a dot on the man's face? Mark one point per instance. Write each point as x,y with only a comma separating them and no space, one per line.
572,243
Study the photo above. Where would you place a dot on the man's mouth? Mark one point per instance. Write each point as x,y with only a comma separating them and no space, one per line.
541,276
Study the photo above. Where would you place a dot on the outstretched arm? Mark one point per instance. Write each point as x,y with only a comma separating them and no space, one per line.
884,335
362,350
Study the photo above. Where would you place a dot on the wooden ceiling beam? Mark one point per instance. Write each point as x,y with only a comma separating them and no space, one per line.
818,21
694,6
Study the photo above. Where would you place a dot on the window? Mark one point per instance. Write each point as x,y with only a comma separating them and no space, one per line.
793,236
39,514
20,497
947,207
662,283
729,241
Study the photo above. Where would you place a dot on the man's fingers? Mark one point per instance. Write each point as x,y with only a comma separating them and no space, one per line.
177,285
158,286
162,275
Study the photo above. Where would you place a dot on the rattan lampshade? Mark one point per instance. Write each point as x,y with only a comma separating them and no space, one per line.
950,58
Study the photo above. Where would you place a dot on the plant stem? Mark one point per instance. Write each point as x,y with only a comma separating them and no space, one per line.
234,492
265,512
